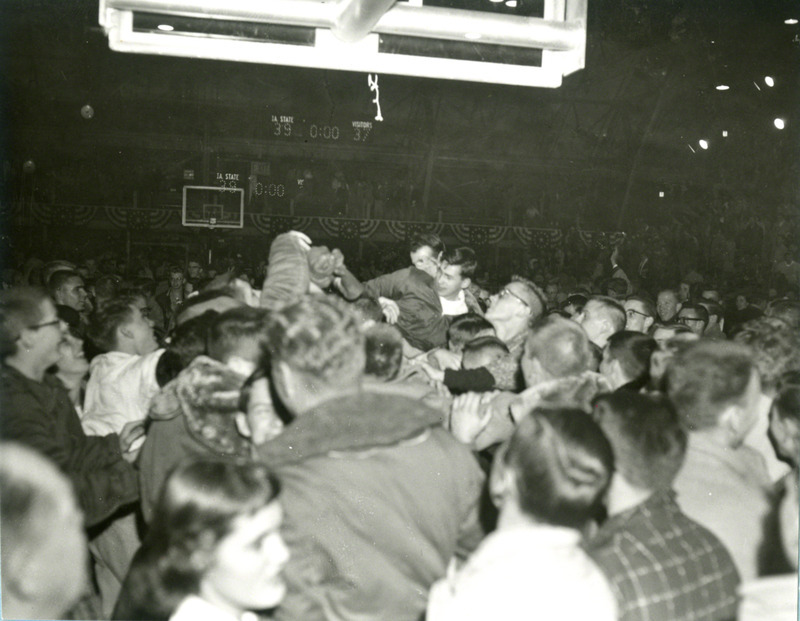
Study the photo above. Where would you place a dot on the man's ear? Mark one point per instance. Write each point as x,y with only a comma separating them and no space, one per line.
125,331
466,283
648,323
736,423
502,482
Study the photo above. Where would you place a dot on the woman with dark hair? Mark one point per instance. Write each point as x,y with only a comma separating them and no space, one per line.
213,550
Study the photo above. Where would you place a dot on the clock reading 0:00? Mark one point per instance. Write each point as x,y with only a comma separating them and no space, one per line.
328,132
271,189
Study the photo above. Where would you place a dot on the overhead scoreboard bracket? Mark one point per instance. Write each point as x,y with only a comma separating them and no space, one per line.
370,36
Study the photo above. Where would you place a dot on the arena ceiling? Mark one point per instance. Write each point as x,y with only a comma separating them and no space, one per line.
618,139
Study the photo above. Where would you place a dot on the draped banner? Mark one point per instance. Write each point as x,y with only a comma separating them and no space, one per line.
346,229
476,235
138,219
402,231
63,215
542,238
275,225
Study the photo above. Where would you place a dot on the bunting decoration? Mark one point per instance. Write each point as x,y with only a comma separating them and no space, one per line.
275,225
475,235
346,229
403,231
63,215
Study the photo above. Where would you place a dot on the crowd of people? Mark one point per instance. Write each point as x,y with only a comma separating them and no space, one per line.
187,443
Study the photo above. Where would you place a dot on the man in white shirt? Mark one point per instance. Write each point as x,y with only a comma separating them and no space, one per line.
453,279
548,483
122,381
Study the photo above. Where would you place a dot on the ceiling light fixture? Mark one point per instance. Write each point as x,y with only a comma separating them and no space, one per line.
661,194
703,143
779,123
724,133
757,86
791,21
722,87
691,148
511,4
165,27
496,1
769,81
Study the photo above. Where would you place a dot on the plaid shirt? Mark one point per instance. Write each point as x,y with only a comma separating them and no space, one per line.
663,566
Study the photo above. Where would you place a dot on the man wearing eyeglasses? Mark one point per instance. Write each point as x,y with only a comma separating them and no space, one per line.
639,314
694,317
37,410
512,311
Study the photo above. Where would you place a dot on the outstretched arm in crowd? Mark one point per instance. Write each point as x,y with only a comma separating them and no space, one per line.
287,274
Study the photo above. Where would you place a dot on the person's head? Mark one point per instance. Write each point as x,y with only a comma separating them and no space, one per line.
639,314
716,314
66,287
215,535
187,341
647,437
711,294
784,425
551,291
384,351
601,317
238,338
317,351
684,291
626,358
715,387
72,360
105,288
44,549
617,288
694,317
574,304
218,300
555,469
466,327
30,328
426,251
176,277
556,347
515,307
51,267
775,347
787,311
665,351
322,263
667,305
482,351
119,325
742,301
458,268
194,270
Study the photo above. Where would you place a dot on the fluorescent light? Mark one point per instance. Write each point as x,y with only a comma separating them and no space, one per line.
769,81
472,35
511,4
791,21
722,87
691,148
165,27
779,123
724,133
661,194
703,143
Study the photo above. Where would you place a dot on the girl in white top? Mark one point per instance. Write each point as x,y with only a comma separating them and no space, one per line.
213,551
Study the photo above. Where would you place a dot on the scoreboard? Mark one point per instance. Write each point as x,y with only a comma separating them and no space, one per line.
296,128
